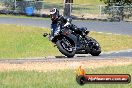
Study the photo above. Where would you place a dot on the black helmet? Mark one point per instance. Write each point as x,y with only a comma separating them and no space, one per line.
54,14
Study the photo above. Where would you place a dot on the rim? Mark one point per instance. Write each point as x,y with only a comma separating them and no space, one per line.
95,45
67,45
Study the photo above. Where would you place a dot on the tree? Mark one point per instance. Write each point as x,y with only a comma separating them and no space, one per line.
119,7
117,2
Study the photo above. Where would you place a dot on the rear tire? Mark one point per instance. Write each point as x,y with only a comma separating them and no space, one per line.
96,49
64,51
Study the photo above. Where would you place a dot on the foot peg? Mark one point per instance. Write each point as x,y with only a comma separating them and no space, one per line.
45,34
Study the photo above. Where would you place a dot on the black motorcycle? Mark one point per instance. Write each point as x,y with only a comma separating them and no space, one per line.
69,42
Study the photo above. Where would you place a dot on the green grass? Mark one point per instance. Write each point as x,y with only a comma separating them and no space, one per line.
22,41
25,41
111,42
23,16
77,1
59,79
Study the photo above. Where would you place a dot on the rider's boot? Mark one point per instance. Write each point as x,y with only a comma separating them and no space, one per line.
51,35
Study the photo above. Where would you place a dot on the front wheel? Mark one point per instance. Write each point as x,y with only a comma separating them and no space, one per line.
95,48
66,47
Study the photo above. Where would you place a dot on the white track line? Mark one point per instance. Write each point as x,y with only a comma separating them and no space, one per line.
109,33
120,51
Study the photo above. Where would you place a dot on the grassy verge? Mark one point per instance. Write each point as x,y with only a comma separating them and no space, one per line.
58,79
77,1
111,42
22,16
25,41
22,41
30,17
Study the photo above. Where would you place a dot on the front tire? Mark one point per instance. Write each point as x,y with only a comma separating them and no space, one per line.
63,50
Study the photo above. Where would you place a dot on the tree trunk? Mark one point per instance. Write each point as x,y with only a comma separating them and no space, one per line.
67,9
122,13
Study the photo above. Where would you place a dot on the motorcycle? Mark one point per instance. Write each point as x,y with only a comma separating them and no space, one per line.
69,42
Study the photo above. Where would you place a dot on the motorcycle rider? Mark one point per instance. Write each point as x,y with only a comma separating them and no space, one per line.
64,21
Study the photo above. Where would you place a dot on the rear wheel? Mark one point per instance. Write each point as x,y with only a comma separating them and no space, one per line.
66,47
95,48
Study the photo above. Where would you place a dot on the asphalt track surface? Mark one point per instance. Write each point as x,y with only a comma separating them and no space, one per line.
109,27
124,28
